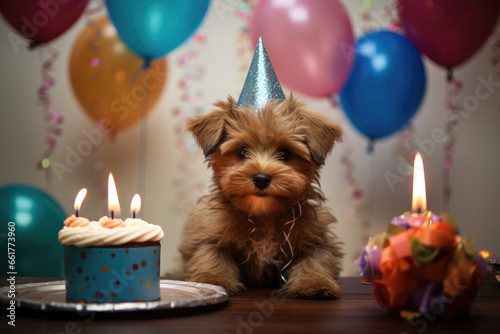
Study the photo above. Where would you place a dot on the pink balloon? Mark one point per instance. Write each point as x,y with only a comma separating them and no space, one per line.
42,20
448,31
310,43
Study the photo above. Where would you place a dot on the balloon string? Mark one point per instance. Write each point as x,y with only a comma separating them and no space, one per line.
143,139
371,146
97,69
52,121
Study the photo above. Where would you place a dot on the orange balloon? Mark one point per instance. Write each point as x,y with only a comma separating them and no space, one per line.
109,80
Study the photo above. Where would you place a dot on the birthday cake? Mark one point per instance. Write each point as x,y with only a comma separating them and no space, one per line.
111,260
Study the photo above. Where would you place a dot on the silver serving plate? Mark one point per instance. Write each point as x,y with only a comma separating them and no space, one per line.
51,296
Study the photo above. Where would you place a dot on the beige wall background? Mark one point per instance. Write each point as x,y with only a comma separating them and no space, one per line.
171,178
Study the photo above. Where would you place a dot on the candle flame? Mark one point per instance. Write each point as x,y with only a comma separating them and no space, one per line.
419,199
485,254
135,205
113,202
79,198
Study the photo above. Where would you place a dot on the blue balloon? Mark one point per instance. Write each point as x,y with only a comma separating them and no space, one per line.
29,224
386,86
153,28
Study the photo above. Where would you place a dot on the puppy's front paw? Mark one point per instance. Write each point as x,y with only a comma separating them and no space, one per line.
232,286
313,288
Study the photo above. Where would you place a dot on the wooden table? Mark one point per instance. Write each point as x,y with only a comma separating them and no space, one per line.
262,311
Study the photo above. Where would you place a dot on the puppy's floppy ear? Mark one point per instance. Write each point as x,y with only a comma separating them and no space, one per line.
322,134
208,129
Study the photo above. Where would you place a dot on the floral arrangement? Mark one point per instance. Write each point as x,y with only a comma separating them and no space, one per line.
423,265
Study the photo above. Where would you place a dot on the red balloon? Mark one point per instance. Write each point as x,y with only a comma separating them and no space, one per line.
310,43
42,20
448,31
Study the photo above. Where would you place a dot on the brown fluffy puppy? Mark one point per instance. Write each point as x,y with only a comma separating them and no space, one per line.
264,216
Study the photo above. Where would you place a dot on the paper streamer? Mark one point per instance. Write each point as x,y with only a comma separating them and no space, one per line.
362,199
52,121
189,186
453,87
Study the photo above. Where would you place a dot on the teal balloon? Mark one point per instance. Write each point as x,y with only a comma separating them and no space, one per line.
386,86
33,219
153,28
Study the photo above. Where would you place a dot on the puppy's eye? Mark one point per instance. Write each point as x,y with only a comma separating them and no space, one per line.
284,154
242,152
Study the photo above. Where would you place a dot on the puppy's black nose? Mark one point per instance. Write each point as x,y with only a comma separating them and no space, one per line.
262,181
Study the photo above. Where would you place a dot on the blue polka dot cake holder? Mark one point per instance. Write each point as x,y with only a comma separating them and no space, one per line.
112,274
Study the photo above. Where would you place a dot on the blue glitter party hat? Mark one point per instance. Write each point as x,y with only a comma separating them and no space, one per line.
261,84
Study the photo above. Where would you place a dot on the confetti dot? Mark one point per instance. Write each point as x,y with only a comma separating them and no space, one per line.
367,3
98,295
448,141
112,296
113,254
81,288
46,162
158,262
104,269
79,270
86,278
128,272
98,165
349,212
140,282
143,263
94,62
126,251
83,255
117,282
131,290
154,251
119,76
148,283
135,266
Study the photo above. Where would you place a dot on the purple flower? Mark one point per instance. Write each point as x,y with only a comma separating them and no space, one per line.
369,262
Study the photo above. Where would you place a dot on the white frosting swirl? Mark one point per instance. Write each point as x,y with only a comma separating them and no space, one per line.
95,234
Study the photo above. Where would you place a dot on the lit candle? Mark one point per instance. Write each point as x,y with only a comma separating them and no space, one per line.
135,205
79,199
419,215
113,202
419,199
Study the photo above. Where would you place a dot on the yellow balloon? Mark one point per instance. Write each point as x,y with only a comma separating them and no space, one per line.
108,79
